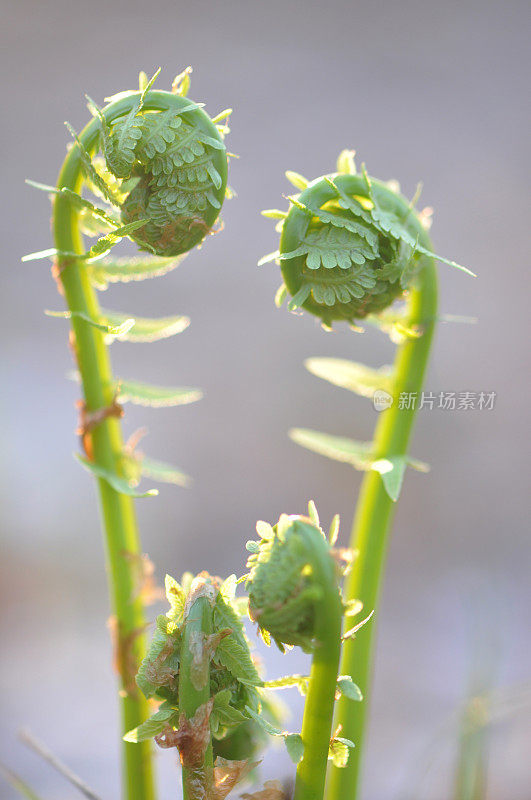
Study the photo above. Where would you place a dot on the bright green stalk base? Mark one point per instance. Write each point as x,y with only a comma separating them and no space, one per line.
319,706
374,514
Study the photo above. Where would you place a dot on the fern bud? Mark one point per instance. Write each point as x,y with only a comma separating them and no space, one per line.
285,583
172,165
349,245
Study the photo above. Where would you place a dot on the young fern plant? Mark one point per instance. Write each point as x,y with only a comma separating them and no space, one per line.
214,706
200,671
295,598
160,181
350,246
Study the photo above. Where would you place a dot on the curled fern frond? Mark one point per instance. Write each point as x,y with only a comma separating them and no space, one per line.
171,167
155,166
220,661
349,245
284,584
294,596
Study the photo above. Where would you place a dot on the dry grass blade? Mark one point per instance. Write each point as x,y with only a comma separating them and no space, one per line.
17,783
30,741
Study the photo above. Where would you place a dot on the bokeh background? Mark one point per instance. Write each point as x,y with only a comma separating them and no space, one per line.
422,90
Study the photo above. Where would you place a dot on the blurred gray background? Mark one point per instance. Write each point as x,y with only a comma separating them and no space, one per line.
422,90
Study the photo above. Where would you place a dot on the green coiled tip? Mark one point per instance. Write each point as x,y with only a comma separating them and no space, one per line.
283,584
170,167
349,244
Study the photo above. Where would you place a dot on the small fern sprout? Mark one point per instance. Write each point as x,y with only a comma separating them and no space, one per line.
284,588
295,598
282,594
350,245
200,670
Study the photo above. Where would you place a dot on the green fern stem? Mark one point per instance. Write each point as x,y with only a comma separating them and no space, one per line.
375,508
319,706
118,513
194,695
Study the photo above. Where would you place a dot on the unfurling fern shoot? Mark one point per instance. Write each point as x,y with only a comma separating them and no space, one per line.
350,246
160,180
294,597
199,668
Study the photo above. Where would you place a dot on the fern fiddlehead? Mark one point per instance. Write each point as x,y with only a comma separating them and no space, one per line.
199,668
351,245
161,182
176,160
294,597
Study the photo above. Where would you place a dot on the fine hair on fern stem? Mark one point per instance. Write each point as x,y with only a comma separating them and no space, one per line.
295,599
350,246
161,182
